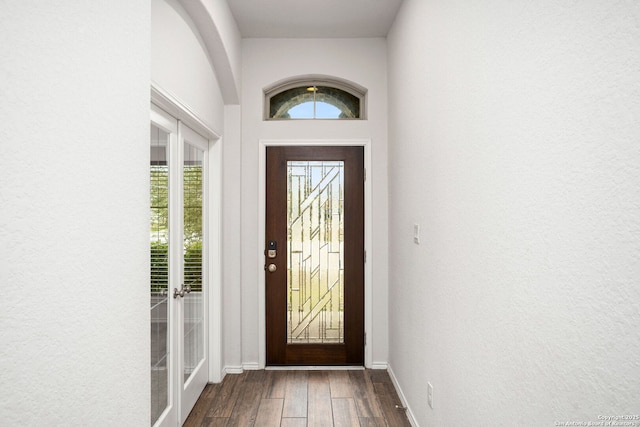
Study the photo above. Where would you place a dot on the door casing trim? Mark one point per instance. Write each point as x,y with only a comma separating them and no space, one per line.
368,234
172,105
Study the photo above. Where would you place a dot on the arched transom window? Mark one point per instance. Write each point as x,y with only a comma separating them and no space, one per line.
320,98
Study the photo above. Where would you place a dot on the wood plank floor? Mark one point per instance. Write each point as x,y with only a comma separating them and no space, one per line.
300,398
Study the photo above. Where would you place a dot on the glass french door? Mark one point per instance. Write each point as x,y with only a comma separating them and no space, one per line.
178,246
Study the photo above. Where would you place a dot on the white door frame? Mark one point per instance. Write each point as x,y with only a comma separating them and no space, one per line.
170,105
368,234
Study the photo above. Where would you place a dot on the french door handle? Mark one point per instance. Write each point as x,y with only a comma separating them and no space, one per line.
180,293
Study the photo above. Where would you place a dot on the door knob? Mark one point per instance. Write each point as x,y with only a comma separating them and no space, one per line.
272,268
180,293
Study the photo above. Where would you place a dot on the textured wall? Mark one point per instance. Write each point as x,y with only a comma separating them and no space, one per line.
74,316
514,145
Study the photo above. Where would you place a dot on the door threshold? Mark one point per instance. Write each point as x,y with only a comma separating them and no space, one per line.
314,368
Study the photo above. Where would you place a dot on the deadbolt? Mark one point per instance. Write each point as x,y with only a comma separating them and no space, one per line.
272,247
272,268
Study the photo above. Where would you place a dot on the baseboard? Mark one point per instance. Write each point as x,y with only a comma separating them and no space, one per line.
232,370
251,366
402,397
379,365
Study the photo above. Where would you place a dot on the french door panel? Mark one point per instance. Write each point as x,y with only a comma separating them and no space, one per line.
314,255
178,269
164,410
194,343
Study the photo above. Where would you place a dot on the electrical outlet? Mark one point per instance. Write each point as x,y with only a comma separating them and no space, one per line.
430,394
416,234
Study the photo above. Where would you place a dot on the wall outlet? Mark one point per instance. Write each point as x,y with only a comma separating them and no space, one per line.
430,394
416,234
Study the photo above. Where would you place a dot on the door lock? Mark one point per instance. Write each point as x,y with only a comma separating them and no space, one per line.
272,249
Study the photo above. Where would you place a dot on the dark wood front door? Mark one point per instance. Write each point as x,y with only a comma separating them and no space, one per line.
314,255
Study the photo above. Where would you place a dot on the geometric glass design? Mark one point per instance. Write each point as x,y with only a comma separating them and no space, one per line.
315,249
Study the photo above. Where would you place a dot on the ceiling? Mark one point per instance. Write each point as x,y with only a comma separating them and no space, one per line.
314,18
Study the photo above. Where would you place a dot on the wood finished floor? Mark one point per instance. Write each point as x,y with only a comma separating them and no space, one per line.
300,398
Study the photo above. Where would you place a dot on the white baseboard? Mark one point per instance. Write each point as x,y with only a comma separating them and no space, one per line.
379,365
251,366
402,397
232,370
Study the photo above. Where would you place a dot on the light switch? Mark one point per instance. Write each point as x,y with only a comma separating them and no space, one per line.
416,234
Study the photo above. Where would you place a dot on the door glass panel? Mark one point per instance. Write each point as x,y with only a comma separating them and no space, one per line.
315,245
193,301
159,244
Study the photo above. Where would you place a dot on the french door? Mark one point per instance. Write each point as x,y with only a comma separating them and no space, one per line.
178,248
314,255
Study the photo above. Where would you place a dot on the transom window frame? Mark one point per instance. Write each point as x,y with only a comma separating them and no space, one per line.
352,88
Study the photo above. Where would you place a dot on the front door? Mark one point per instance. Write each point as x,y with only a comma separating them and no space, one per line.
178,248
314,255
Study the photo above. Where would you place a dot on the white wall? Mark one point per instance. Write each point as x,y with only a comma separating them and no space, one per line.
266,61
514,144
231,254
180,63
220,36
74,322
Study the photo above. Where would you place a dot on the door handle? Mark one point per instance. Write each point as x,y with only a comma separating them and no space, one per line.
180,293
272,268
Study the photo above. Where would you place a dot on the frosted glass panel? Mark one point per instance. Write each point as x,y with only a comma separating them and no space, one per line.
193,301
315,286
159,244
